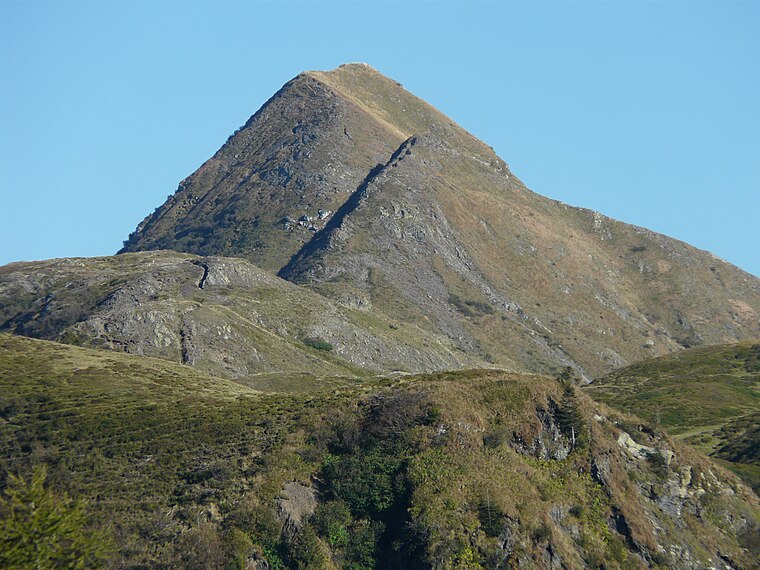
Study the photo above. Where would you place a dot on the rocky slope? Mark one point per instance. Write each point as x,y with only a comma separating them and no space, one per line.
347,183
707,396
473,469
220,315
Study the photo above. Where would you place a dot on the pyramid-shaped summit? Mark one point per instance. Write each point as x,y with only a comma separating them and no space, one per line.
347,183
282,175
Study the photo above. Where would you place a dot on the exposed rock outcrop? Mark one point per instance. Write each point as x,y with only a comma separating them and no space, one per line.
221,315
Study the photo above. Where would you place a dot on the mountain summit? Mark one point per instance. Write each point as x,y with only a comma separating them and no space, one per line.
293,164
347,183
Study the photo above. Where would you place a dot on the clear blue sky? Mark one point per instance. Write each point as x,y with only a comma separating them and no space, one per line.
646,111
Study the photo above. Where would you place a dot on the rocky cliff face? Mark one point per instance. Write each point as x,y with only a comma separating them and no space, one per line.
347,183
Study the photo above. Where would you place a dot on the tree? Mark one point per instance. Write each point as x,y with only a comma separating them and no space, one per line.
43,530
305,551
569,415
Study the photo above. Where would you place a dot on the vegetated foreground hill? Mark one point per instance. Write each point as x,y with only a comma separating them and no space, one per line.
707,396
221,315
347,183
467,469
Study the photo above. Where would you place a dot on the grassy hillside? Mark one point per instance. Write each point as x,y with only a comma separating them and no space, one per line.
709,397
453,470
153,446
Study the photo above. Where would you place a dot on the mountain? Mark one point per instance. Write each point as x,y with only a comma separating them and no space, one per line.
467,469
304,152
706,396
323,353
347,184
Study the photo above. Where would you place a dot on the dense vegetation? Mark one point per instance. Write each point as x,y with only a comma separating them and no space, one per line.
41,529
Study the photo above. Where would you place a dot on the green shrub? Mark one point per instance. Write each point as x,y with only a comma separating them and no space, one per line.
260,524
318,343
541,534
497,436
356,541
238,547
391,416
467,559
658,463
362,547
491,518
570,419
42,529
305,551
569,415
202,547
368,483
339,434
332,520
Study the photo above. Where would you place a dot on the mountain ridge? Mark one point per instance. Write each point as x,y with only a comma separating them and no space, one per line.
349,185
224,316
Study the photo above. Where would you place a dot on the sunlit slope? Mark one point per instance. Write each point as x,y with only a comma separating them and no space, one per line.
447,236
347,182
708,396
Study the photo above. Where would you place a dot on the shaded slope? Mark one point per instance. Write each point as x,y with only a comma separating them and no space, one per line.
708,396
433,229
221,315
480,467
300,156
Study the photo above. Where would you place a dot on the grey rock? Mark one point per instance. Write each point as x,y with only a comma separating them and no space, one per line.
295,505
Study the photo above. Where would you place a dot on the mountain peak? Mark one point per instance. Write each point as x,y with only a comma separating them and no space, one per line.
357,65
349,67
319,188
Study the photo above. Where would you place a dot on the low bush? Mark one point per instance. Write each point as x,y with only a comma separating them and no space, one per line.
317,343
